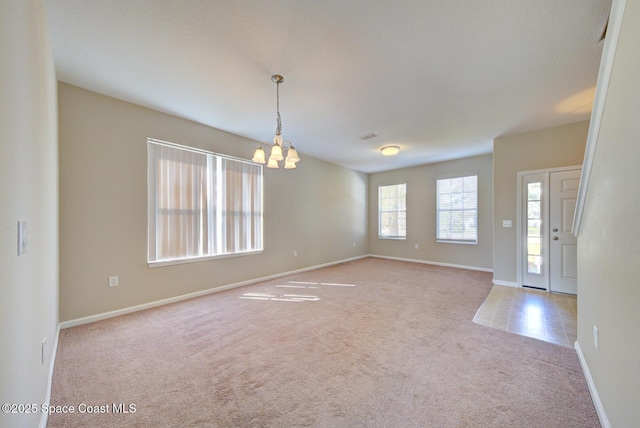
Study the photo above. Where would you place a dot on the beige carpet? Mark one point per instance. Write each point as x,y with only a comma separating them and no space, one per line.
370,343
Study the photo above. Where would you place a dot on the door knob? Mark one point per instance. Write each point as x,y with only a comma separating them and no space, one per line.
555,229
555,238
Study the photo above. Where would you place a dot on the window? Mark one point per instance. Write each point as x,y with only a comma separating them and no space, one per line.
392,211
458,210
201,204
534,223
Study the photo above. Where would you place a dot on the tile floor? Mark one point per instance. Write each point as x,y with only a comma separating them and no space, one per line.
546,316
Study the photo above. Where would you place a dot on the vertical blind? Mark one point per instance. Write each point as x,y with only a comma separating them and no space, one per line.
458,209
201,204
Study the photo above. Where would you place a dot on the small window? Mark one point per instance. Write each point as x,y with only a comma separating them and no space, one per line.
534,224
392,211
458,210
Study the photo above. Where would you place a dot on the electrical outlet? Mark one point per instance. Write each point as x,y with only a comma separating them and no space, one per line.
113,281
596,341
295,253
507,223
44,350
354,245
417,246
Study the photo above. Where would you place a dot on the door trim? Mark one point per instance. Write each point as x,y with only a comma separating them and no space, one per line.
520,254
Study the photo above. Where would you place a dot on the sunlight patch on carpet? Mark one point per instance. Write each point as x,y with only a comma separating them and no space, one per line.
337,284
281,297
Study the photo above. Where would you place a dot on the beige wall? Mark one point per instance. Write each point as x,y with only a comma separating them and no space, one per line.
421,214
548,148
609,239
318,209
29,192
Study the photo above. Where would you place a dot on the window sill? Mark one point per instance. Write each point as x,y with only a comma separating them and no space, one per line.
393,238
171,262
447,241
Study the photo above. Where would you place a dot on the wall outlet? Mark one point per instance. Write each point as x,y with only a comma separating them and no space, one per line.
113,281
44,350
417,246
354,245
596,340
507,223
295,253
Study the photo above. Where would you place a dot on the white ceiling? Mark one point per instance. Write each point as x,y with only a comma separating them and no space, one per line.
439,78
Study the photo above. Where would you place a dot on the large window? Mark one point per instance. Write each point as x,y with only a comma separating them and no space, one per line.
392,211
458,210
201,204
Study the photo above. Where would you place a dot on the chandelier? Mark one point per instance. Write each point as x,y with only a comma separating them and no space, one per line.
280,149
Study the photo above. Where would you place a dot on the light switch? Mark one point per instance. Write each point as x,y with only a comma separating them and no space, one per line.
507,223
22,237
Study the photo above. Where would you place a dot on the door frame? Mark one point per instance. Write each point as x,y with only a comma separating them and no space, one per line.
521,223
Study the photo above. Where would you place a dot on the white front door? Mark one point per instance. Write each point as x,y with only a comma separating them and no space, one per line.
563,245
548,250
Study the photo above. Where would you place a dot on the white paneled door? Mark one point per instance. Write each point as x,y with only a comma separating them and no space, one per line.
548,250
563,191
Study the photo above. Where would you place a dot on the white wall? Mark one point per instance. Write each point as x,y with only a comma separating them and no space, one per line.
318,209
609,239
421,214
28,191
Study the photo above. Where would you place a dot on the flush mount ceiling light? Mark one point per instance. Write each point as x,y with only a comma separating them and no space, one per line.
279,147
390,150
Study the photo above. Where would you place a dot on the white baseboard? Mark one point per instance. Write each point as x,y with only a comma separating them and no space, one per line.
44,416
426,262
592,388
118,312
505,283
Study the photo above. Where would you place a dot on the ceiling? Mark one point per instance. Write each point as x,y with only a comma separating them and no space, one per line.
441,79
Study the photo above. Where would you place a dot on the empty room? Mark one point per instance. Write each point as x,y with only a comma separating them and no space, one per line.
319,213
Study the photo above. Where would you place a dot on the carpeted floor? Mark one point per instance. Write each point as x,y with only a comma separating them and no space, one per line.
370,343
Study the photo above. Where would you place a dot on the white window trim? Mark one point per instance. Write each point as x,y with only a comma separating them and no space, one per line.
391,237
458,241
170,262
151,186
